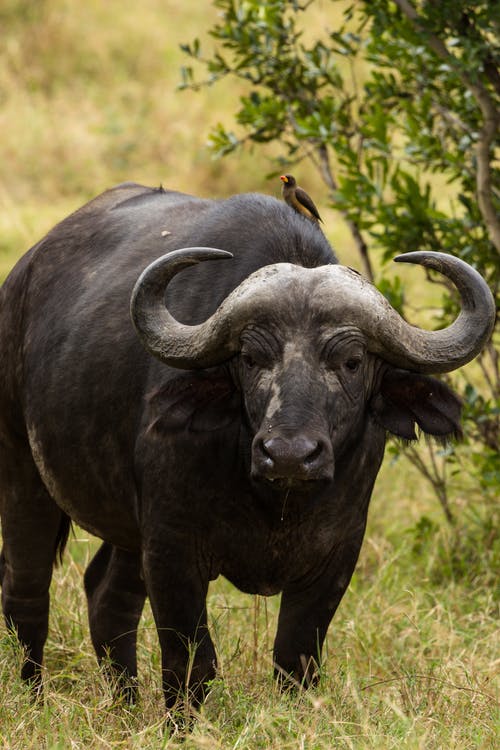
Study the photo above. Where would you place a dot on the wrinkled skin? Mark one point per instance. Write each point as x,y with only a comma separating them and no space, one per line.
259,469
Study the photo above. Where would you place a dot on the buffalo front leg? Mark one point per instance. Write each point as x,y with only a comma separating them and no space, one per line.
177,590
115,596
304,617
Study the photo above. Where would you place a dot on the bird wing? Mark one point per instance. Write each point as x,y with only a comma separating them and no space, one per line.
307,202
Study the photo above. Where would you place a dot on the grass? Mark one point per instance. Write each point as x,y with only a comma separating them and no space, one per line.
411,658
88,99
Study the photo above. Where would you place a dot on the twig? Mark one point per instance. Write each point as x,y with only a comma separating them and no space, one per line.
437,482
467,28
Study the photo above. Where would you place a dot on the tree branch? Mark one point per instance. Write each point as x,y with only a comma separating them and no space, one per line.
488,131
436,478
327,174
467,28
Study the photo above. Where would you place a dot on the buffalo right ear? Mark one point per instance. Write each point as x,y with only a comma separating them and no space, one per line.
407,398
197,401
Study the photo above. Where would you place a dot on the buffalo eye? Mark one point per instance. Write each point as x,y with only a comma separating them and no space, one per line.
248,361
353,364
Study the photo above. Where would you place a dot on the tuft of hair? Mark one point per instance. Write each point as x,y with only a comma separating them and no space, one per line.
62,538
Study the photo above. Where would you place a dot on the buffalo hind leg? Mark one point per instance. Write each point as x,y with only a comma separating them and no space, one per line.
115,596
34,529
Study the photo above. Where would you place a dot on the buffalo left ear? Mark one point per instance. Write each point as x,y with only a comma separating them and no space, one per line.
405,398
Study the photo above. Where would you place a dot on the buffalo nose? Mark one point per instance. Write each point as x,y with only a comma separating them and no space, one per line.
297,457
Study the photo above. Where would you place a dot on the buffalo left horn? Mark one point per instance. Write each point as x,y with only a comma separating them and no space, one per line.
451,347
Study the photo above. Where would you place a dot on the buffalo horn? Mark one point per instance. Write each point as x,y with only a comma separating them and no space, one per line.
337,293
449,348
218,337
176,344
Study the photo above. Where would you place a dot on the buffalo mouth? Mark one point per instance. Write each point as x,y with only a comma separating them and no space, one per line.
288,484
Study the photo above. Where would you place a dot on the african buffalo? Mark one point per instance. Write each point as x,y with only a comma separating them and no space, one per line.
246,446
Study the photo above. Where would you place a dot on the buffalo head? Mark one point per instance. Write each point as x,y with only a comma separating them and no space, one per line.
318,349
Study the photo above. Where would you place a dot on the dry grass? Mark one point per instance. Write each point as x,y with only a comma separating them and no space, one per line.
407,665
411,659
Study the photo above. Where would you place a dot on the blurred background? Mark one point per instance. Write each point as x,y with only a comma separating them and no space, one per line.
89,97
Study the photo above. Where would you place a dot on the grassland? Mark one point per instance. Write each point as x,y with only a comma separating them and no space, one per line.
410,662
87,99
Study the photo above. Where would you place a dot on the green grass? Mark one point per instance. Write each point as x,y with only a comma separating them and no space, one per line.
87,99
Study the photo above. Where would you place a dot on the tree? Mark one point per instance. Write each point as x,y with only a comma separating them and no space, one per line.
400,93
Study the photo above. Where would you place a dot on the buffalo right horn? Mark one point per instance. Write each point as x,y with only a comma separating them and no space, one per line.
354,301
218,337
174,343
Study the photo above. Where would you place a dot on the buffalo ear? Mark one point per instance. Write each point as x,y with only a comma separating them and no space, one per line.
407,398
195,401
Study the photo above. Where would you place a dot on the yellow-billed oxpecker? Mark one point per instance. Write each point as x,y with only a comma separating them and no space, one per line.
298,199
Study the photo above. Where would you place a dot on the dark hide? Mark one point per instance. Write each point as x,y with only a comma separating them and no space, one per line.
260,469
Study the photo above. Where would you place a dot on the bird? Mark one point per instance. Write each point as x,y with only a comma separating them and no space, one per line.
298,199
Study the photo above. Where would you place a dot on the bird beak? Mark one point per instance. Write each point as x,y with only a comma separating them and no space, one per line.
283,178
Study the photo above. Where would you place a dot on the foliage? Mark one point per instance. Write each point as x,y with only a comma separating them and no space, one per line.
398,109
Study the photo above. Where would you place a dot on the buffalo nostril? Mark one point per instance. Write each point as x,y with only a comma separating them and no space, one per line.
266,447
314,454
266,452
